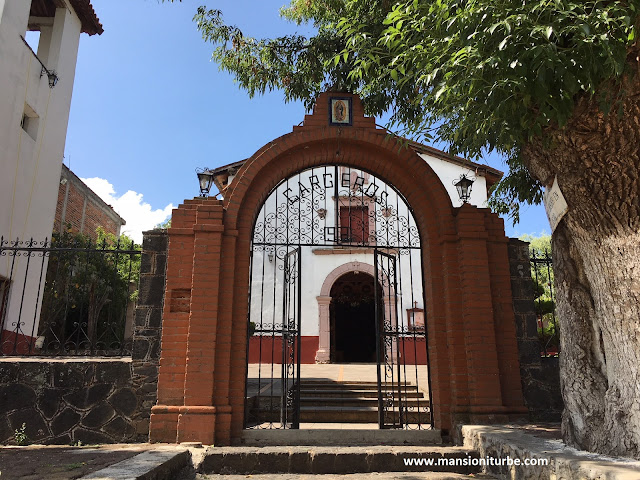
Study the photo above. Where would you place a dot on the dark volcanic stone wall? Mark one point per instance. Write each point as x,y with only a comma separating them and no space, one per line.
64,401
540,376
92,400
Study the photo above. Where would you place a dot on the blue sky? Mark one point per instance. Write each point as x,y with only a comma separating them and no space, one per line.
149,107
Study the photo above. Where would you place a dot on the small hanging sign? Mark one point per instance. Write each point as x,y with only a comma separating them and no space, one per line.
554,204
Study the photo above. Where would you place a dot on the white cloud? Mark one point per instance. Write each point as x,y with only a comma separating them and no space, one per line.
139,215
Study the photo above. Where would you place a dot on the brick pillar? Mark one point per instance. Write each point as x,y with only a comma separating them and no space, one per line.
477,316
197,422
175,324
224,340
452,375
505,329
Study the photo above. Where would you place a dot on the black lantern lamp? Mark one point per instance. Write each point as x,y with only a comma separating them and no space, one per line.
53,78
463,185
205,177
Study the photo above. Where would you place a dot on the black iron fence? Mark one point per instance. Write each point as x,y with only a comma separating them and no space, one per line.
67,296
545,302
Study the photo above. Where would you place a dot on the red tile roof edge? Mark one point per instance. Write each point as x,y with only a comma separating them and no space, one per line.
90,23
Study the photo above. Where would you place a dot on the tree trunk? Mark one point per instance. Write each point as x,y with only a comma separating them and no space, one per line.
596,256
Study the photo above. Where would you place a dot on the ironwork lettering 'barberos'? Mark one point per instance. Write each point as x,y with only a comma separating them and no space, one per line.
336,207
373,212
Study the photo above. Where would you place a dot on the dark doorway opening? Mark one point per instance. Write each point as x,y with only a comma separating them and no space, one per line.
353,319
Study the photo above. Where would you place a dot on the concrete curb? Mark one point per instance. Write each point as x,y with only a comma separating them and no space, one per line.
332,460
354,476
157,464
564,462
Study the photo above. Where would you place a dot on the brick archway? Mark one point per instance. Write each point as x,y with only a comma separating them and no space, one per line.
470,321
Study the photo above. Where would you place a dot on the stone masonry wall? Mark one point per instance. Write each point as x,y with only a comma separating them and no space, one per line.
540,376
92,400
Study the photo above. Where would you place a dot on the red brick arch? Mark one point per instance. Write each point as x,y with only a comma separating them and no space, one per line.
471,330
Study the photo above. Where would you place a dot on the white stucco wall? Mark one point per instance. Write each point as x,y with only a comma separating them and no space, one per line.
31,161
448,173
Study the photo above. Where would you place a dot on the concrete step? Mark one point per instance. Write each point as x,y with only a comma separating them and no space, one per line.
359,402
305,385
354,393
340,435
273,403
336,460
163,463
354,476
342,414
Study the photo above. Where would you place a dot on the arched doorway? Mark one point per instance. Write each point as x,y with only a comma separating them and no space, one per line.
473,355
353,318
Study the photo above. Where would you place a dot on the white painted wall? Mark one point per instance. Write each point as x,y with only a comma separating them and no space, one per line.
30,162
448,173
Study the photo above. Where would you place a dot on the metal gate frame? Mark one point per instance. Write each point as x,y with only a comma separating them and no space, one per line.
332,206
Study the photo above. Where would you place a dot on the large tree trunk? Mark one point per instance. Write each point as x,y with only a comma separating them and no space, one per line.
596,256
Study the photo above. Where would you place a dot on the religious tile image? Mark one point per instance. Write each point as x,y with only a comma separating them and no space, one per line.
340,109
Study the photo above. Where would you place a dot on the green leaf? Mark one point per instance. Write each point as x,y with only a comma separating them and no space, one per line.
548,31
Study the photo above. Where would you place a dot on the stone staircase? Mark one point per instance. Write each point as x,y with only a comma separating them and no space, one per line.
339,438
325,401
357,402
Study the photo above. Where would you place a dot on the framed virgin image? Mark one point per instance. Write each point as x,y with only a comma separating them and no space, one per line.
340,111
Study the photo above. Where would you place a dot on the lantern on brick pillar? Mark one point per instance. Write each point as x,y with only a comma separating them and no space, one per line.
205,177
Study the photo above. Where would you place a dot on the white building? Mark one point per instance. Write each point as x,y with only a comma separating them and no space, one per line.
343,216
35,99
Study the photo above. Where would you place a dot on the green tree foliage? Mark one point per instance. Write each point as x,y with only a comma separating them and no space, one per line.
480,75
87,290
165,224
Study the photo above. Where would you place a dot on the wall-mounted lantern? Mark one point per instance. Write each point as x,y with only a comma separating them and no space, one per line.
463,185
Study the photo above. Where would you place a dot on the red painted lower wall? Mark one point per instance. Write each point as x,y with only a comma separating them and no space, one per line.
414,352
17,344
269,350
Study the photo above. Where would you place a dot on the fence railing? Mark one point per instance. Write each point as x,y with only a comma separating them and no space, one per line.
545,302
67,296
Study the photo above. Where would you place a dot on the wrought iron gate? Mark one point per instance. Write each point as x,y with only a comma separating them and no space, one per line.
399,405
278,401
334,210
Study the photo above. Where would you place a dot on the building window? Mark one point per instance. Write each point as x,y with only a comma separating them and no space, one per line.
354,224
29,122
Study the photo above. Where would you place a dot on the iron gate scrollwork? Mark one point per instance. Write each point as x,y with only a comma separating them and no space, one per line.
335,210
